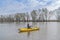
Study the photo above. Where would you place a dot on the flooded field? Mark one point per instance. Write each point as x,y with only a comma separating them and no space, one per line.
48,31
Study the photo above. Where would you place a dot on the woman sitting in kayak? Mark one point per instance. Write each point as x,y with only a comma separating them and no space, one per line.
28,26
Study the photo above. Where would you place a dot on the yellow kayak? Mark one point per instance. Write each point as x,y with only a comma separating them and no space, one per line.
27,30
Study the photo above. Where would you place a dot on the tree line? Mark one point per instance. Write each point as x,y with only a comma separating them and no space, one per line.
36,15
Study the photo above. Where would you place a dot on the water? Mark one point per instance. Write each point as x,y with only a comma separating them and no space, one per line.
48,31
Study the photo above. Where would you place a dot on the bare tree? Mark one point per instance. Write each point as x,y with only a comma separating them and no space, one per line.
34,15
45,13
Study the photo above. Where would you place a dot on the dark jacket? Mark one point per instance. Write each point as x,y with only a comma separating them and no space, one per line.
28,26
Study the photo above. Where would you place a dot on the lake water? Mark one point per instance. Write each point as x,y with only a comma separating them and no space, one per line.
48,31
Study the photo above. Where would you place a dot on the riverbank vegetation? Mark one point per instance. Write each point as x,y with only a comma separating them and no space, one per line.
40,15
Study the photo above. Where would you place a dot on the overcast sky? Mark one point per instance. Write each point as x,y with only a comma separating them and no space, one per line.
16,6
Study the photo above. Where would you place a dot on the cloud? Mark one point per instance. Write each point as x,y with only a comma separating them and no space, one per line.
12,7
15,6
55,4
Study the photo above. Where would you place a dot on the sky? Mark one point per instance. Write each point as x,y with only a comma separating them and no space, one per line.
18,6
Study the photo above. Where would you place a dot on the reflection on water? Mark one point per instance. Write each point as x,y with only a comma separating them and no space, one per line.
48,31
28,33
52,31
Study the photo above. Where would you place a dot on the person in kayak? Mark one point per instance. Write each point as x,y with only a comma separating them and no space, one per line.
28,26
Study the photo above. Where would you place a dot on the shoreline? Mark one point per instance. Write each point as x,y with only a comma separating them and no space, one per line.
33,21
